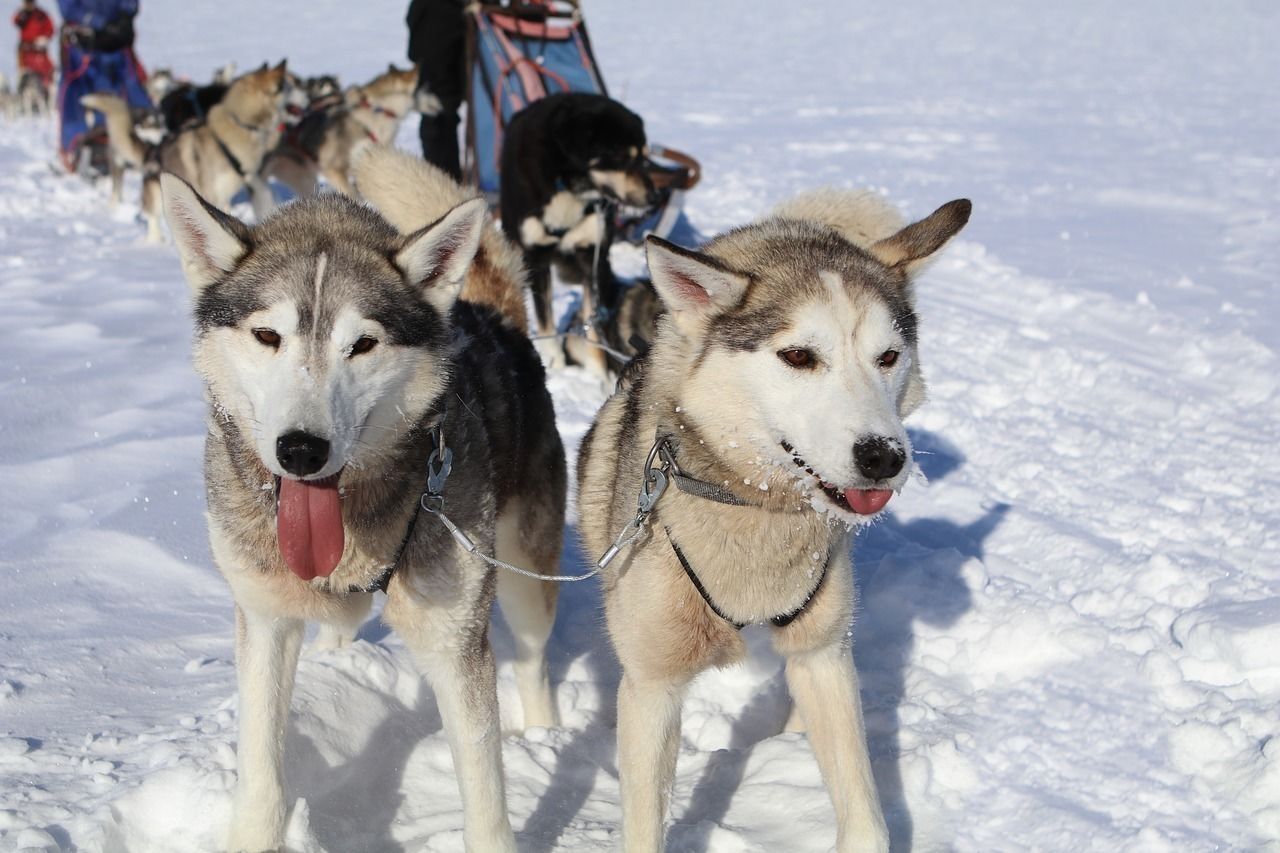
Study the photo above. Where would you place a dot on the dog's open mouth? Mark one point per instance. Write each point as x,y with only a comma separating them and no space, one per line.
309,525
859,501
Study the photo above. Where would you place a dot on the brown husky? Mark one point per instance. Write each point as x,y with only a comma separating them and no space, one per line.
224,154
325,142
772,403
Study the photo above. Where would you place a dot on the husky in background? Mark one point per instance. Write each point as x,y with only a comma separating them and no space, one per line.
314,483
33,96
567,159
133,135
772,400
325,142
160,82
224,154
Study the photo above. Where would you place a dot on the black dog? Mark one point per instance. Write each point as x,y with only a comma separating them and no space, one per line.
568,161
187,104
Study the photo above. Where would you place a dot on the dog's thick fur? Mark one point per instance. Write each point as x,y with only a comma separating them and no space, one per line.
406,189
246,121
560,156
187,104
827,282
325,143
327,319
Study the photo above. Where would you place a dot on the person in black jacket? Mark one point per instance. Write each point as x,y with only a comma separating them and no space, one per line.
437,45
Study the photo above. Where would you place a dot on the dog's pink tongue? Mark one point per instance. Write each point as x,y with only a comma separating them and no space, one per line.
867,501
309,525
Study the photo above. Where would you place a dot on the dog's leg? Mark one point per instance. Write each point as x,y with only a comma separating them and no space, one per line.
552,351
795,722
264,200
266,661
648,735
152,205
338,179
452,648
825,686
529,607
117,181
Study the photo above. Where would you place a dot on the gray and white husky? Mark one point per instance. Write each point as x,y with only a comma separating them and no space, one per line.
772,402
337,358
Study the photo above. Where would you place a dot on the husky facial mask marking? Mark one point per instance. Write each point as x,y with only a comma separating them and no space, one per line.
802,372
309,360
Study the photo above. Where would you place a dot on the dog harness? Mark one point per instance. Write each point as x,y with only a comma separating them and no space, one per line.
439,462
711,492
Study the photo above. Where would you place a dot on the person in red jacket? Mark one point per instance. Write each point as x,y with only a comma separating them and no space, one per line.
35,28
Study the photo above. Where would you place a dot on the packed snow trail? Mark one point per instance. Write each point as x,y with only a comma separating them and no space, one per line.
1067,639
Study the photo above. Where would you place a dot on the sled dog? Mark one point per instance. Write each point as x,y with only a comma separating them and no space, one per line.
324,143
34,97
771,404
132,136
343,375
223,154
8,101
567,160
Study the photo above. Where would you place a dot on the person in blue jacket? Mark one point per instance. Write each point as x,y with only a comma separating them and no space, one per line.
97,56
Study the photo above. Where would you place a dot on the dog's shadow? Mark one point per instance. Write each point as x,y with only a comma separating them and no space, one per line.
353,804
937,550
582,641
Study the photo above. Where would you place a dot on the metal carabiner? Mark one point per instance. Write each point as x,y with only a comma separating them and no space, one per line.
655,483
438,468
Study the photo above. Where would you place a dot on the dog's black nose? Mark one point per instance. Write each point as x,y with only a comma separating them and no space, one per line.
877,458
301,453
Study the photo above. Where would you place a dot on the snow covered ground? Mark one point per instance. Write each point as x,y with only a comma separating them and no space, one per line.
1069,640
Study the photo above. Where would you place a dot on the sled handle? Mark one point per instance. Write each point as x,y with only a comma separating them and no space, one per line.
694,167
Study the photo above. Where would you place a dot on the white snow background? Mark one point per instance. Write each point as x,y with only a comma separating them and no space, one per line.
1069,640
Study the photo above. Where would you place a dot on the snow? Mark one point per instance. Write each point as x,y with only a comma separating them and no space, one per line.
1068,639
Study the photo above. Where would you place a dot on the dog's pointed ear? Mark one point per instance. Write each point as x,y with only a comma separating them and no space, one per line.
694,287
436,258
912,246
210,243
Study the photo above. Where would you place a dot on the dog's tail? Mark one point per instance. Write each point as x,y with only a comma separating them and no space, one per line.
862,217
412,193
125,145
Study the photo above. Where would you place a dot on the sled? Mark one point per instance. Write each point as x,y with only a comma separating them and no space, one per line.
519,53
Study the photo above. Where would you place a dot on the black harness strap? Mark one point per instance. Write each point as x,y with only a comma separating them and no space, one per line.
234,161
780,621
226,152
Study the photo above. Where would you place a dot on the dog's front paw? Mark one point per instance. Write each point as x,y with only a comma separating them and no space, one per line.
872,839
585,235
255,829
552,353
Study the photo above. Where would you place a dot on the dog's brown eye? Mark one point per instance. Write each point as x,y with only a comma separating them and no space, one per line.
268,337
887,358
363,345
797,357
